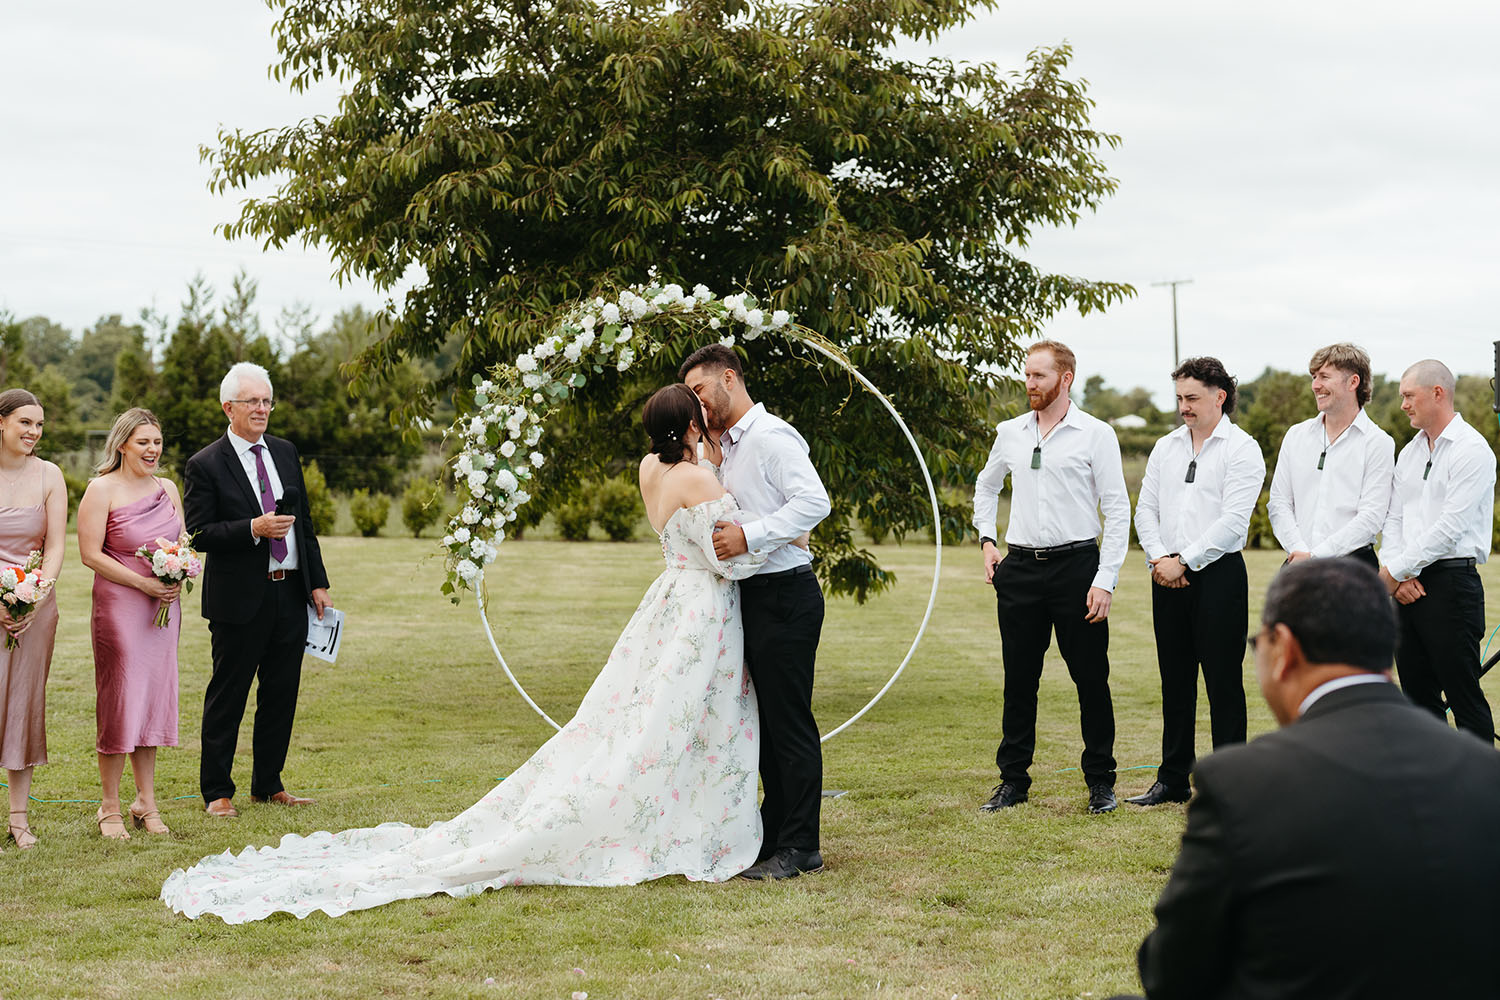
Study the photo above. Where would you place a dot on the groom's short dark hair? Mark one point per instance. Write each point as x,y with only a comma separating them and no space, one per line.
715,356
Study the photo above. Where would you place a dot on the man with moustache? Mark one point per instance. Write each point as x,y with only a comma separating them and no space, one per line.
1064,465
1332,484
1202,481
766,467
1437,531
262,570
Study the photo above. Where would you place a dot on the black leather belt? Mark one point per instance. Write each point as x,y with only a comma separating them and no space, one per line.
783,574
1053,550
1457,562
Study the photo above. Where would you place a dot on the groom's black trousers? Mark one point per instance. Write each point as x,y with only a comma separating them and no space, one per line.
783,615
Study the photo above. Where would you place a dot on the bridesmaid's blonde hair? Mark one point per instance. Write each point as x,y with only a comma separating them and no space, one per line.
124,426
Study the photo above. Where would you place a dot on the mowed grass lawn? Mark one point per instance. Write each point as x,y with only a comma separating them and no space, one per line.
924,896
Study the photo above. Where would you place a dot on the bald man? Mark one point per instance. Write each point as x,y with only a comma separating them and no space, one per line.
1436,532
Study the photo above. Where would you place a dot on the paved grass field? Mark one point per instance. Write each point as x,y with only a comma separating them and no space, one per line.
924,896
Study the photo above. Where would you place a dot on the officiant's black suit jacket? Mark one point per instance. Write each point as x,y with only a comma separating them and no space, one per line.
219,504
1354,853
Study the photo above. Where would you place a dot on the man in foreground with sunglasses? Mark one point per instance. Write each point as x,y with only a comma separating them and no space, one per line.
1351,852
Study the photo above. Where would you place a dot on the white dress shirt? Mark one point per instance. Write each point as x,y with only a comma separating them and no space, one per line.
1210,516
247,462
1059,502
1449,513
767,469
1341,507
1338,683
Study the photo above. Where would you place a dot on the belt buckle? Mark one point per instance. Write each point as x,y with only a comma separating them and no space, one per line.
276,575
1040,555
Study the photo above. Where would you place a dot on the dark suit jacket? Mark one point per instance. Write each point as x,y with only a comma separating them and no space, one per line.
219,504
1354,853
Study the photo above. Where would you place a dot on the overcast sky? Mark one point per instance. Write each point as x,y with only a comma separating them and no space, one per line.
1321,170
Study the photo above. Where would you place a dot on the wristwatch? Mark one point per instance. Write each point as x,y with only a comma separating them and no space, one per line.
987,538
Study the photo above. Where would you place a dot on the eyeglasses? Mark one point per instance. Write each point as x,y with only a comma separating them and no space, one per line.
256,404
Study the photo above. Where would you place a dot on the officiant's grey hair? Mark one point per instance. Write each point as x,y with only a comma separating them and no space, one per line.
229,389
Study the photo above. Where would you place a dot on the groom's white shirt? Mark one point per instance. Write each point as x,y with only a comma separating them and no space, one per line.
767,469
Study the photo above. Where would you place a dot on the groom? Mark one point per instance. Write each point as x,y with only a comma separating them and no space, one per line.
767,469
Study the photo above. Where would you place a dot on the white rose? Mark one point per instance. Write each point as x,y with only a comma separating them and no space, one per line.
780,318
713,324
625,334
537,459
572,351
469,515
464,465
611,313
701,292
588,321
755,317
545,349
477,480
461,536
727,340
476,427
673,292
532,380
536,397
508,449
586,338
506,481
466,571
533,436
526,363
521,497
448,541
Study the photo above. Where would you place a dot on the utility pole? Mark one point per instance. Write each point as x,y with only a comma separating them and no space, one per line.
1174,283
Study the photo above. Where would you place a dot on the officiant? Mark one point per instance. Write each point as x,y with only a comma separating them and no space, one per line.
246,506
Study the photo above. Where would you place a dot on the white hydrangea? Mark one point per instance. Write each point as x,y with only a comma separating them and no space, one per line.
780,318
477,480
526,363
545,349
572,351
476,427
701,292
467,571
464,465
610,312
461,535
755,318
469,515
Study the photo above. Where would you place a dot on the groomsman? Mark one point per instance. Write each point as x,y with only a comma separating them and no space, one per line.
1437,531
1064,465
1332,484
1202,482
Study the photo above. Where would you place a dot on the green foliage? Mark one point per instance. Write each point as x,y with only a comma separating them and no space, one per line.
573,518
1260,534
369,511
321,505
1271,404
618,507
62,432
76,485
15,368
518,157
421,505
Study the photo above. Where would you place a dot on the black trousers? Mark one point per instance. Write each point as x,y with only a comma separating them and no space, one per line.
783,618
1203,624
1032,598
271,645
1437,649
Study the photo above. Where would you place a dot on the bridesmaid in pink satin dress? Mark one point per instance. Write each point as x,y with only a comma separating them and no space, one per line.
135,662
33,515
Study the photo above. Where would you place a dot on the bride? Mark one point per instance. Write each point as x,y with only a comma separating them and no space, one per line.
655,775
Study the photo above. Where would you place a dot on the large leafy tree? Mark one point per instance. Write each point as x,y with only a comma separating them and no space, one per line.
509,158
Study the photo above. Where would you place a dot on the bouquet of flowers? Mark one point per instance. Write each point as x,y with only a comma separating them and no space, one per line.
22,589
172,562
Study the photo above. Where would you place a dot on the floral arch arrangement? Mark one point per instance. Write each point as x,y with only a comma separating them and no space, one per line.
500,437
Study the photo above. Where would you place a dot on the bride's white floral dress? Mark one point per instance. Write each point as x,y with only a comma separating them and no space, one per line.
655,775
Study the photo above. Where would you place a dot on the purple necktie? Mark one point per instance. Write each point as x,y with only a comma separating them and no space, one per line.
267,501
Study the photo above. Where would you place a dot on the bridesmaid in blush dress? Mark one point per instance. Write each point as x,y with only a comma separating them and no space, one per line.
33,515
135,662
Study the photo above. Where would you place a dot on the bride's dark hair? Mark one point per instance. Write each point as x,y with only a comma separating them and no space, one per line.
668,414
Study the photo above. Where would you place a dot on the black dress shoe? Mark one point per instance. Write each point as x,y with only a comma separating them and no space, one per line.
1007,794
789,862
1159,793
1102,799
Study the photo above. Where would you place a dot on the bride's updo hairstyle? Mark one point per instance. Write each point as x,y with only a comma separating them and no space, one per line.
667,416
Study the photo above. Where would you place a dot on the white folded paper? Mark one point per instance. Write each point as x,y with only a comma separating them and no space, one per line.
323,637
